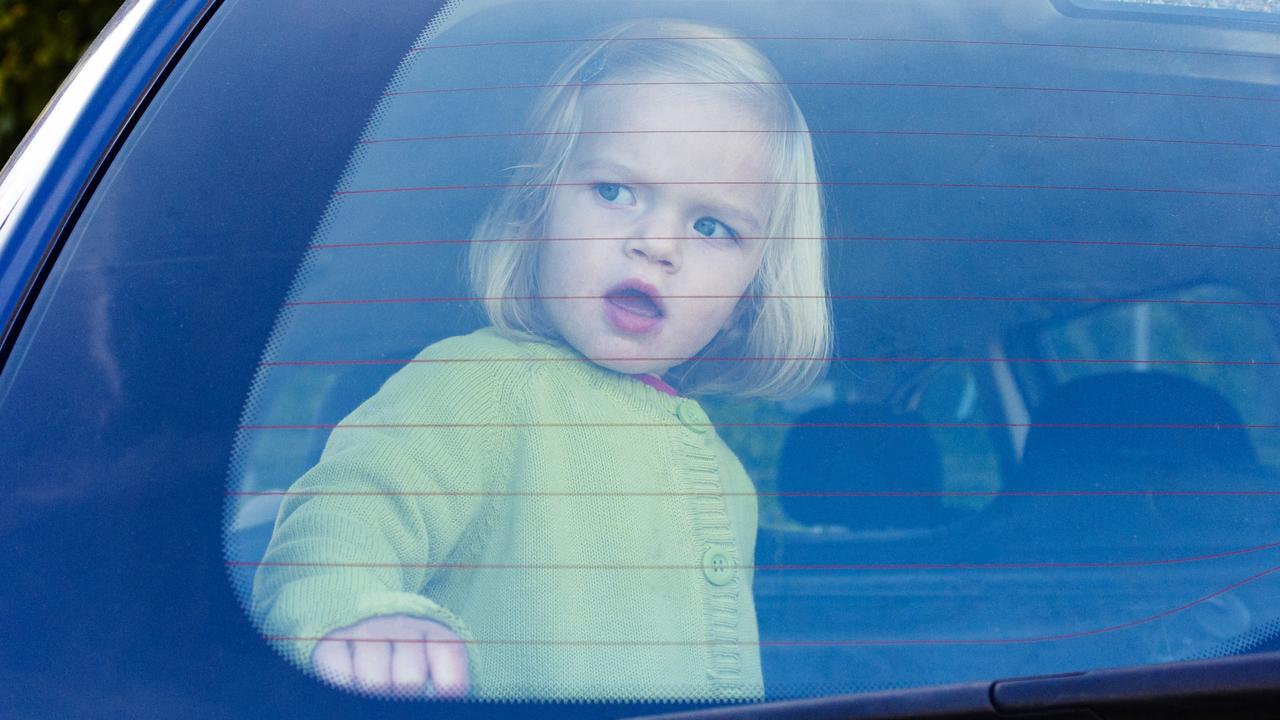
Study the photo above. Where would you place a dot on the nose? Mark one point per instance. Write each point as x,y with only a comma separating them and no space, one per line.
658,241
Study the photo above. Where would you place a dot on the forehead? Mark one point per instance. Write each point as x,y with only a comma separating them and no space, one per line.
669,133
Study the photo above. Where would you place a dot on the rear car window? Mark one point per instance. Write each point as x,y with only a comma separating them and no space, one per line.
1040,440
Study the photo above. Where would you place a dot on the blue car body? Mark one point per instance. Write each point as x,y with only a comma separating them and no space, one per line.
116,437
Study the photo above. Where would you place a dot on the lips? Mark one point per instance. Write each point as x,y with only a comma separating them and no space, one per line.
634,306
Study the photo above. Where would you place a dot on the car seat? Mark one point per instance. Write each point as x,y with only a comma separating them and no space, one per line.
860,448
1095,427
1097,446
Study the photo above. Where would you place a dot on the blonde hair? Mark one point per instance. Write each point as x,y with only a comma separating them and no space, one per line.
784,320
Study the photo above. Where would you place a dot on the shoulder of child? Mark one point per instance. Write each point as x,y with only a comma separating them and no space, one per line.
469,386
481,368
485,344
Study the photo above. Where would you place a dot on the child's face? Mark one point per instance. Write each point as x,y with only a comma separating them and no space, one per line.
672,260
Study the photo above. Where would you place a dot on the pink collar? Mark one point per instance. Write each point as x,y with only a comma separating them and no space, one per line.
656,383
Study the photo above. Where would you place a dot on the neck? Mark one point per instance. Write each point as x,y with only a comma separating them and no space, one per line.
656,383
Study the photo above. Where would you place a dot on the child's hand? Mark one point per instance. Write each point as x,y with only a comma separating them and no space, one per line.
374,661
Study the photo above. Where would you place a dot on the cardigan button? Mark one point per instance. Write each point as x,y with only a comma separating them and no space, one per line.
692,416
718,565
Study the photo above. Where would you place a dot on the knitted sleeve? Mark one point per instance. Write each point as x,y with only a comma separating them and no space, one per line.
399,484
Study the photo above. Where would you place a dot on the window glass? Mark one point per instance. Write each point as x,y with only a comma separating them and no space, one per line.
976,184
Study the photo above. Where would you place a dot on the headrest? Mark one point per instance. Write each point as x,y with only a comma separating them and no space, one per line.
862,448
1096,426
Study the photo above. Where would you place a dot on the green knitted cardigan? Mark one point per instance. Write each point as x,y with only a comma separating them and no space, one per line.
587,535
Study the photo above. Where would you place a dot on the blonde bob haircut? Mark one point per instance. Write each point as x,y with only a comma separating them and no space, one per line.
780,336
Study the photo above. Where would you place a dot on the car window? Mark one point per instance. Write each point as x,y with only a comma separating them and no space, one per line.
1040,438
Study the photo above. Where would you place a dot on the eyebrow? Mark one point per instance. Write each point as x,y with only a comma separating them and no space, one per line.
740,218
744,222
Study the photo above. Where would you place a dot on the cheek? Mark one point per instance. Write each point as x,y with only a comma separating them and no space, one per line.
718,315
571,214
737,276
571,267
554,269
737,283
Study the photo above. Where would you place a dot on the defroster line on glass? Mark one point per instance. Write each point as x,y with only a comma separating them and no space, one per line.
904,133
789,238
839,84
825,183
774,567
854,298
848,39
827,238
828,425
837,359
1225,492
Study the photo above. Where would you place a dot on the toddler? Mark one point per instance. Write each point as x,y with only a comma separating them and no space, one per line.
537,509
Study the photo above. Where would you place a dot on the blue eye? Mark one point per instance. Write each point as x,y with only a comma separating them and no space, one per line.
615,194
712,228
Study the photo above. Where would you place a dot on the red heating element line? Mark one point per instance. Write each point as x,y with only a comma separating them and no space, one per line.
858,298
829,238
714,359
847,39
836,84
774,567
822,643
790,493
887,426
823,183
902,133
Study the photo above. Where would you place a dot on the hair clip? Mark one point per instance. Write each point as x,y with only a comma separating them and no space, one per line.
593,68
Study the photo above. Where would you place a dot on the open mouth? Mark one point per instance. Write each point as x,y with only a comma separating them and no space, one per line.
635,301
634,307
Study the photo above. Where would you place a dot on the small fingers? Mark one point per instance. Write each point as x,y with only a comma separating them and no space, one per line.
332,661
394,654
371,664
447,656
409,666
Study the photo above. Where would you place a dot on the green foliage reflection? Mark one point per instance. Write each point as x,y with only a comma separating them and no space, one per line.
40,43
